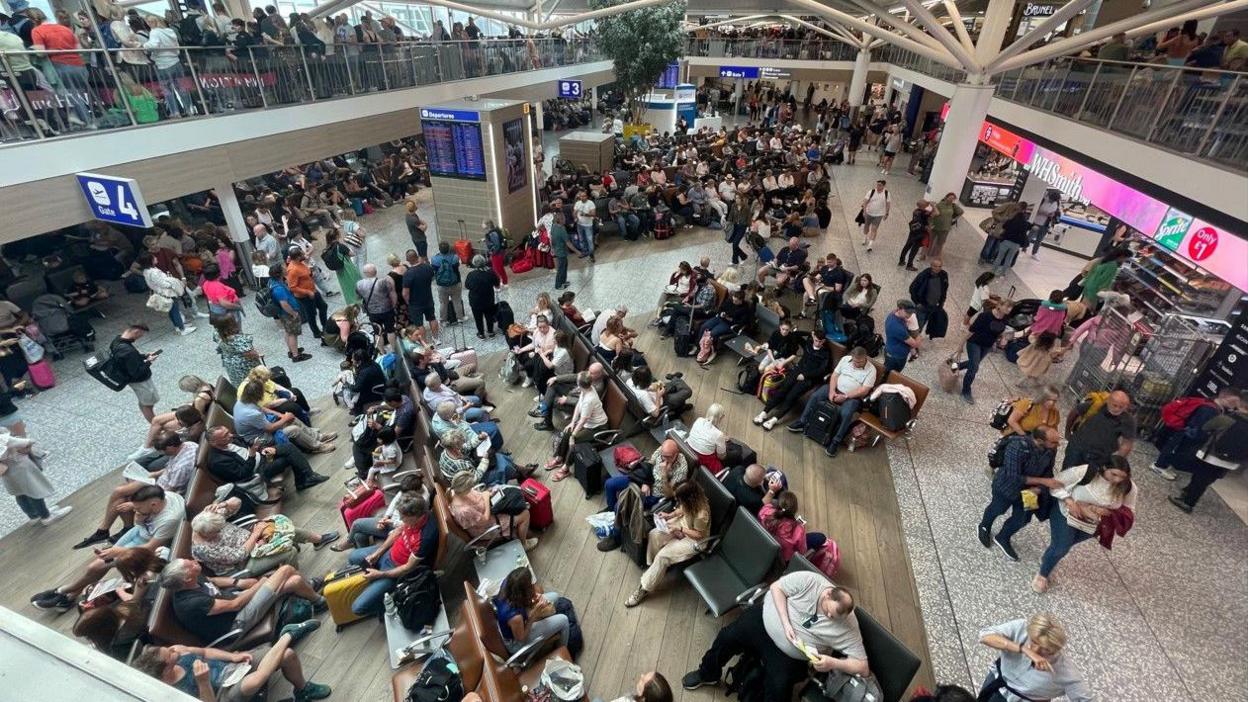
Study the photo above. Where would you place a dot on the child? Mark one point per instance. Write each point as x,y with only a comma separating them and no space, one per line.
260,268
85,291
345,379
387,456
1038,356
226,264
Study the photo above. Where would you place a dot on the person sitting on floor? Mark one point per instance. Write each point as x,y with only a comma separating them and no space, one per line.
676,539
199,672
412,543
437,392
156,514
470,508
526,613
211,607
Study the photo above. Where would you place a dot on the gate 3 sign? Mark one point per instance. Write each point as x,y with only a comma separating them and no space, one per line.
115,200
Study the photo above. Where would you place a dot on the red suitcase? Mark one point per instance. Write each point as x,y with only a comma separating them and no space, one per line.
364,505
541,513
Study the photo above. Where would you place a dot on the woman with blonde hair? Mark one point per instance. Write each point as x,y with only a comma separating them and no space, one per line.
707,440
730,278
471,508
1031,665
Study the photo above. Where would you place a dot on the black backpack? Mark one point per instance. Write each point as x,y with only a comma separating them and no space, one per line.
100,366
267,305
503,315
417,599
745,679
1231,444
332,258
996,455
189,31
684,344
748,379
437,682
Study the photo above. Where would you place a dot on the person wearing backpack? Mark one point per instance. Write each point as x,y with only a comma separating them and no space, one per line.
1108,431
496,247
1225,450
288,312
1182,420
1027,463
446,275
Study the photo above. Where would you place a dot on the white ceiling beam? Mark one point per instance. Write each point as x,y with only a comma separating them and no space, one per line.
549,13
1042,30
997,20
720,23
942,35
959,28
836,32
1169,13
905,27
940,56
1153,28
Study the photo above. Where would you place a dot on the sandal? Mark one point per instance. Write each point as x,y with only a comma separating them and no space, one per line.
560,474
554,464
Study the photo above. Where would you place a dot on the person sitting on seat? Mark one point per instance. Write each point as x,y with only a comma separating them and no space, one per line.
84,291
707,440
185,420
810,370
199,672
676,539
562,390
232,460
526,613
696,306
779,517
457,458
224,548
252,422
470,508
752,487
649,394
787,264
437,392
211,607
850,382
366,530
734,313
156,514
800,608
587,418
413,542
448,419
668,469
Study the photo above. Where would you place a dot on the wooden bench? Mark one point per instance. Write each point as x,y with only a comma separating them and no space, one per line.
503,681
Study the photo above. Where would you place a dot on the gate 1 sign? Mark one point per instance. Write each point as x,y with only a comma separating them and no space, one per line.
115,200
570,89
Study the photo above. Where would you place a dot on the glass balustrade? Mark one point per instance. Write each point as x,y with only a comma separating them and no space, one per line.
62,93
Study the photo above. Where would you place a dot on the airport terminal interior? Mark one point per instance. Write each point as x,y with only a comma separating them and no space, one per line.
821,350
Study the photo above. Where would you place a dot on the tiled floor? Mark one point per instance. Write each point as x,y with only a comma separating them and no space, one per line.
1141,628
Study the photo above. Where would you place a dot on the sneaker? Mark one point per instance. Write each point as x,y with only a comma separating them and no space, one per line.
349,464
527,383
327,538
301,358
1177,502
44,596
99,536
968,398
530,544
58,601
1163,472
299,631
985,536
186,330
312,691
953,365
635,599
830,450
1006,548
202,315
543,426
54,514
1040,584
610,543
760,418
770,423
693,680
536,412
313,481
796,427
869,246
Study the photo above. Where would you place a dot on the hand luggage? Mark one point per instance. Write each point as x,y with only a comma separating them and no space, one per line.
522,265
860,436
823,423
827,558
342,587
894,412
462,246
587,467
41,374
503,315
738,454
417,599
366,505
541,511
947,378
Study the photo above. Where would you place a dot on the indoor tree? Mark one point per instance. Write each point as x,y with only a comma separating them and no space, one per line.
641,43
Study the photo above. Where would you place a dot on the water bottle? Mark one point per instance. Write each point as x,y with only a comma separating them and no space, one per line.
391,609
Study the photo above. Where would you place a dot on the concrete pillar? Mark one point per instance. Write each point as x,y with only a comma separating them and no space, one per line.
858,83
967,109
537,114
237,227
593,99
738,91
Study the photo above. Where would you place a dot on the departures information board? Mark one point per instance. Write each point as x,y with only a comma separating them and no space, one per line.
454,146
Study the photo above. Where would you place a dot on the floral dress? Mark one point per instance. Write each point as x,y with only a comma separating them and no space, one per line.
237,366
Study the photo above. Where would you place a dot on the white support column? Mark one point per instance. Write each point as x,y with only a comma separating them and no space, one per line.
967,109
593,99
888,90
858,83
992,33
537,114
237,226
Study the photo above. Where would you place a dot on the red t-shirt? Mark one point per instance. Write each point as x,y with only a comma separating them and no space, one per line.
408,543
55,37
216,292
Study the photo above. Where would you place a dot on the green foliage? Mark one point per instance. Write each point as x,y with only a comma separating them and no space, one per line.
642,43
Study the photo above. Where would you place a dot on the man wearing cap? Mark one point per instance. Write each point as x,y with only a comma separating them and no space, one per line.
897,339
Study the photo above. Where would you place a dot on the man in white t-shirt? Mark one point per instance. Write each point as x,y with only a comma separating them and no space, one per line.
875,208
851,381
586,211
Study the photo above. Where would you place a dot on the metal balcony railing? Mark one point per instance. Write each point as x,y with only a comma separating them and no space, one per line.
55,94
798,49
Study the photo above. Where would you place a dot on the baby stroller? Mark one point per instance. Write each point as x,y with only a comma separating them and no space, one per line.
61,325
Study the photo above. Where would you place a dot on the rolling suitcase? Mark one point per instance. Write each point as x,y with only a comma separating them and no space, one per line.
823,423
342,587
587,467
541,512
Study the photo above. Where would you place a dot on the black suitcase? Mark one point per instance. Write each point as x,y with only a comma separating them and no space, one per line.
894,412
587,467
823,422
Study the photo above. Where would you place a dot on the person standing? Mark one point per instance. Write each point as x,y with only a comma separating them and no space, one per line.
918,232
450,284
289,314
482,283
1026,466
586,211
947,213
311,304
496,247
378,298
875,209
1110,430
1089,494
338,258
740,215
1047,213
1014,232
897,339
21,472
559,245
1219,450
1031,665
418,292
929,289
983,335
127,364
416,229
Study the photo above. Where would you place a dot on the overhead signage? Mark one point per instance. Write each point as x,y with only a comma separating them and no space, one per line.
1033,9
570,89
449,115
1172,229
115,200
1213,249
746,72
769,72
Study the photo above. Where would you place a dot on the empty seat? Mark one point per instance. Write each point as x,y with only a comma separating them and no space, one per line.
742,560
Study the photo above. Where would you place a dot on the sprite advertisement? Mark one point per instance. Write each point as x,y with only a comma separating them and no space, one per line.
1172,229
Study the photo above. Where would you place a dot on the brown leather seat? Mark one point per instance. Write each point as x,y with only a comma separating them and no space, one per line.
498,682
463,648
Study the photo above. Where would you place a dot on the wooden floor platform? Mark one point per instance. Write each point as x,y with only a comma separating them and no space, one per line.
851,498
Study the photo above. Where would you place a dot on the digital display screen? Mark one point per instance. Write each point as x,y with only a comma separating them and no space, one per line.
455,149
670,76
517,165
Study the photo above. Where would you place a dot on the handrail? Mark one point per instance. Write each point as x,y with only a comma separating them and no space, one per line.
45,96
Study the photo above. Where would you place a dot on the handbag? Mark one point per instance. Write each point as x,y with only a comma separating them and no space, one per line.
948,379
859,218
159,302
507,499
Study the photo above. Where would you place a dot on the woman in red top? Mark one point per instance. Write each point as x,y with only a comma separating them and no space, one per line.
413,544
59,41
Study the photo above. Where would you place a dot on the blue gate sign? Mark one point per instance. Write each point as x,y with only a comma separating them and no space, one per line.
449,115
115,200
748,72
570,89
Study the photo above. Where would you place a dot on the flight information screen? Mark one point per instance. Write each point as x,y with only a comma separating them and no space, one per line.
455,149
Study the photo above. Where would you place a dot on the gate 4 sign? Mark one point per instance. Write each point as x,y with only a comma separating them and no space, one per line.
115,200
570,89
